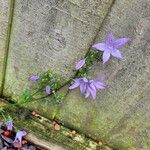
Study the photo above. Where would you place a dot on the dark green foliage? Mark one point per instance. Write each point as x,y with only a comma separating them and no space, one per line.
46,79
91,57
5,117
51,79
25,97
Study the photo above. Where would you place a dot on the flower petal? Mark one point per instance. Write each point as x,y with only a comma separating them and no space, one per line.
92,90
48,89
116,53
106,56
85,80
34,78
110,39
80,64
120,42
87,93
83,87
100,46
99,85
101,78
9,125
75,84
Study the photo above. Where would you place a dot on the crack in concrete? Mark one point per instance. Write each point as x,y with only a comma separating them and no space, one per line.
109,10
10,21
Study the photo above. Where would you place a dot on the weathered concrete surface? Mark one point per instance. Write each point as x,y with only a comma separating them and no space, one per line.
120,114
50,39
4,19
50,35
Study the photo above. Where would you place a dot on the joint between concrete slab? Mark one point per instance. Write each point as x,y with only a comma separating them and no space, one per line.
109,10
10,20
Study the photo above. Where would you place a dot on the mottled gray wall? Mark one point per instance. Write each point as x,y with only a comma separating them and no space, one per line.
4,19
50,34
55,34
120,114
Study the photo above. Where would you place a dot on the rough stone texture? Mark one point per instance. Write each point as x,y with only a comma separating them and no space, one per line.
120,114
50,34
4,17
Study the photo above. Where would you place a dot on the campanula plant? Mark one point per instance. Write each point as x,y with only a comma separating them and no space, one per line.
109,48
49,83
46,84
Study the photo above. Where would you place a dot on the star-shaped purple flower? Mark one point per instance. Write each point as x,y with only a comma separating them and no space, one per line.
110,47
18,138
9,125
48,89
34,78
87,87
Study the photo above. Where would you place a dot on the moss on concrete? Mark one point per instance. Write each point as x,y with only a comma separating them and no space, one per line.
23,119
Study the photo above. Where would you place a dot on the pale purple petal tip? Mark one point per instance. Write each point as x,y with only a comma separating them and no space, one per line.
93,92
116,53
34,78
110,39
80,64
106,56
120,42
100,46
87,94
99,85
48,89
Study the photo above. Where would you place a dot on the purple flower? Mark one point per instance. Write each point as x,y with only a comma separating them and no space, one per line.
80,64
9,125
34,78
87,87
110,47
18,138
48,89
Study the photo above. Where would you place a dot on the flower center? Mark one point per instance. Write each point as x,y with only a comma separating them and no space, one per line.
110,47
